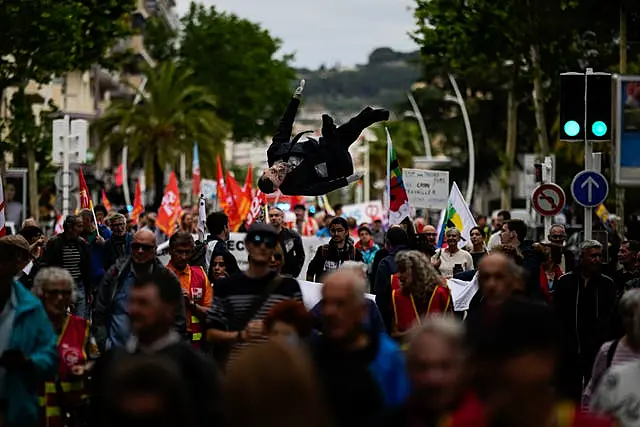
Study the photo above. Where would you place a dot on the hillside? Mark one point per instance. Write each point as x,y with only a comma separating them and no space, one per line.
383,81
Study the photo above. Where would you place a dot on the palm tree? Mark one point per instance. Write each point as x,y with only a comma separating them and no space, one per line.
173,115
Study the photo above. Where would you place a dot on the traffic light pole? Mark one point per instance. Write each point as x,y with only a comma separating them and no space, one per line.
588,161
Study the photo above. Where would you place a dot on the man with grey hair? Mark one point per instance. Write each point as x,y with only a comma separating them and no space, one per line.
585,301
119,245
436,367
557,237
363,372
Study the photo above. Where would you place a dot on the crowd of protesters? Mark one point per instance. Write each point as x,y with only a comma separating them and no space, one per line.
96,331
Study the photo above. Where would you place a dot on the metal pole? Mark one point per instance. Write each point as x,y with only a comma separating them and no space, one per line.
472,151
367,175
423,127
620,193
65,167
588,163
596,159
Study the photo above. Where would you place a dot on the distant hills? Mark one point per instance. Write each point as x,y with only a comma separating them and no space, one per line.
383,81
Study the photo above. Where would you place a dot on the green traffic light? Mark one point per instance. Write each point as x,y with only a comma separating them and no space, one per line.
571,128
599,128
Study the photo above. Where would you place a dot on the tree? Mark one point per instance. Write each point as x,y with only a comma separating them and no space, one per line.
175,113
236,60
45,38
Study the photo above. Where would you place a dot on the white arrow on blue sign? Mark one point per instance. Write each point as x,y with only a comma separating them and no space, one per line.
589,188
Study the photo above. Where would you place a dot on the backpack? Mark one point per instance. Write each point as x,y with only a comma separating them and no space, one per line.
198,257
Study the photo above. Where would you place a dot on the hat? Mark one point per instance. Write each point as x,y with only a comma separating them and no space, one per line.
31,231
15,241
262,229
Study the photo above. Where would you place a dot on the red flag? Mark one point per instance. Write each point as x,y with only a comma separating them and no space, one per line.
248,182
138,208
170,208
256,211
221,189
59,228
105,201
120,175
240,201
85,197
3,227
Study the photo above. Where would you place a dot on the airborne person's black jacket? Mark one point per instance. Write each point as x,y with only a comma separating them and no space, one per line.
326,162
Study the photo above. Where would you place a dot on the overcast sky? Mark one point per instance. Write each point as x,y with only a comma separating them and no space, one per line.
327,31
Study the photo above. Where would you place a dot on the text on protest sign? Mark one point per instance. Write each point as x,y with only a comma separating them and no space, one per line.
426,188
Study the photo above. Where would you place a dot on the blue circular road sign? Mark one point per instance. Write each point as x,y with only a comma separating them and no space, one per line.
589,188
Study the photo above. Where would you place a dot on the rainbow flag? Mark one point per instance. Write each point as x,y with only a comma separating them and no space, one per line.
456,215
398,201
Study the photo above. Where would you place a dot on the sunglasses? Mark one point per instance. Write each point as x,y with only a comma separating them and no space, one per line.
57,292
268,240
142,246
277,256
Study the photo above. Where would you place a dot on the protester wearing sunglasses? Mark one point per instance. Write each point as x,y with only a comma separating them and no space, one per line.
242,300
111,319
277,259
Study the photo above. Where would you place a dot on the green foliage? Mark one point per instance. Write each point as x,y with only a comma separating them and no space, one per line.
175,113
42,38
160,40
237,61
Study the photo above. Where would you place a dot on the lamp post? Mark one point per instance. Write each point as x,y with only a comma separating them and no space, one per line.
423,127
467,124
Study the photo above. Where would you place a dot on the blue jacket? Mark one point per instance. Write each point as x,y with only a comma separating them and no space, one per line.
32,334
97,255
389,370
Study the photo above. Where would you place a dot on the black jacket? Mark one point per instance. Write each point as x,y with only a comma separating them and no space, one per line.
111,250
586,316
329,258
112,281
329,152
199,373
532,262
382,285
53,256
294,256
220,249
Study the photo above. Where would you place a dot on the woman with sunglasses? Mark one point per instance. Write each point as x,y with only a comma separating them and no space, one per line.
63,398
277,259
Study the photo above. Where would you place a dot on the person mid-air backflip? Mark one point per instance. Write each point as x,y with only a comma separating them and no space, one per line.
305,166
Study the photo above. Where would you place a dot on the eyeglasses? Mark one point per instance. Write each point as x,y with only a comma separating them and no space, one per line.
557,237
141,246
268,240
57,292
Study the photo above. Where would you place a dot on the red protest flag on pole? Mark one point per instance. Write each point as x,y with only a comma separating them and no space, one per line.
256,211
170,207
138,207
239,200
248,182
85,197
221,188
120,175
106,202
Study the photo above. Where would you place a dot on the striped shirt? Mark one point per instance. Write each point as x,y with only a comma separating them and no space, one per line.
71,260
622,355
234,296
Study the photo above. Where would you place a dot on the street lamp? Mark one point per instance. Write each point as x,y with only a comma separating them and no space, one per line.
428,161
467,124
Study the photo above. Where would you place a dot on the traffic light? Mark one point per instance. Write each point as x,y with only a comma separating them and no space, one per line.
599,107
572,107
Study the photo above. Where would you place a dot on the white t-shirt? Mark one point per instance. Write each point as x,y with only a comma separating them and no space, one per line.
618,394
448,261
494,240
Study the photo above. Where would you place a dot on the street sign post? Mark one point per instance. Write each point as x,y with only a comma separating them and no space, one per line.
589,189
586,116
548,199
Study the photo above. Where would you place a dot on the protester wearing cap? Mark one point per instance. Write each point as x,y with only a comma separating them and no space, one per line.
242,301
331,256
28,351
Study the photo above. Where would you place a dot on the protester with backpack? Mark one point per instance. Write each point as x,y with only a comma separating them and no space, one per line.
620,350
331,256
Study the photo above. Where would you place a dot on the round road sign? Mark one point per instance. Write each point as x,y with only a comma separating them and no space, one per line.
548,199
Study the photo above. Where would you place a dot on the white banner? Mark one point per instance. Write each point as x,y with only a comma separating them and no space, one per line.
364,212
312,293
427,189
237,248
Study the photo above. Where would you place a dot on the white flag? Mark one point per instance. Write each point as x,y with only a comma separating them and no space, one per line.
202,217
